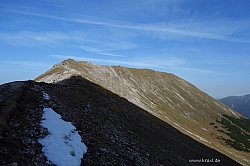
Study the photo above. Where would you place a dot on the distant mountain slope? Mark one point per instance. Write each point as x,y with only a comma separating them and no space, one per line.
167,97
115,131
238,103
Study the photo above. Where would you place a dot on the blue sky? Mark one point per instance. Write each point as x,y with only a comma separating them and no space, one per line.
204,42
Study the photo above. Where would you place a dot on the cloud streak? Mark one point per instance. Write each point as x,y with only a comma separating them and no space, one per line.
213,28
30,64
98,51
28,38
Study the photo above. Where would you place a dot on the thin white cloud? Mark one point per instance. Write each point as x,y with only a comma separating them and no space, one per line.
120,45
194,70
30,64
109,54
98,51
201,29
161,62
28,38
24,10
214,28
75,39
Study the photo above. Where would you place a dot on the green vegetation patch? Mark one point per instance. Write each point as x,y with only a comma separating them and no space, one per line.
238,129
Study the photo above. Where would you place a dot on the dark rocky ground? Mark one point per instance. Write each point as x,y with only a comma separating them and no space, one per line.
115,131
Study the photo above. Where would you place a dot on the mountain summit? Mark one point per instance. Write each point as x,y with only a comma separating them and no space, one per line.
169,98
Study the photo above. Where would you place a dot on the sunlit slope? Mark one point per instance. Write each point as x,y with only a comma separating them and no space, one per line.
164,95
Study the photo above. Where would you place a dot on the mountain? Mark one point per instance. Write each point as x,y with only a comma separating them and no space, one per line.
124,116
239,103
169,98
115,131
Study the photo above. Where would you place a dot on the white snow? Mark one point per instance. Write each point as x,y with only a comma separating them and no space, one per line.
62,146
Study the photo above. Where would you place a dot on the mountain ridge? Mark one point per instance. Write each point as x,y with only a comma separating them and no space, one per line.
115,131
239,103
164,95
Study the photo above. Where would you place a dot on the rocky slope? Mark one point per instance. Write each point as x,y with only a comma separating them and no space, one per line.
239,103
166,96
115,131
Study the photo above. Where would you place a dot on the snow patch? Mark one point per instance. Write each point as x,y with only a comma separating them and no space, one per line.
63,145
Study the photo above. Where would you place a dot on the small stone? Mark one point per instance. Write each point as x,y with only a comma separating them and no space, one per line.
14,164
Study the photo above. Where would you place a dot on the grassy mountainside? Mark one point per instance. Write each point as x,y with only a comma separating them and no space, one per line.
239,103
164,95
115,131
